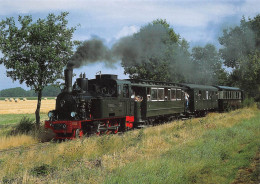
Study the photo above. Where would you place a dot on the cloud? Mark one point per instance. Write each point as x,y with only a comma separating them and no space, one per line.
127,31
181,13
198,21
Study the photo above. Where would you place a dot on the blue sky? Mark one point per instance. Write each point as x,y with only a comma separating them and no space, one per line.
198,21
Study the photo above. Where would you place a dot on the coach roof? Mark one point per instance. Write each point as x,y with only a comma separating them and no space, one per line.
200,87
228,88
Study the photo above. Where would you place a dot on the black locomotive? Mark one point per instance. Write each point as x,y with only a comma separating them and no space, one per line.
108,105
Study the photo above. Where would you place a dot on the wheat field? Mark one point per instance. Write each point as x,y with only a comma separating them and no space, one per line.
25,107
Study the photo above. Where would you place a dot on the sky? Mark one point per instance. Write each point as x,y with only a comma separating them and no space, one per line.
198,21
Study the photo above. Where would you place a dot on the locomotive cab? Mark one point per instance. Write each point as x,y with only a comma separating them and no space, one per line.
112,97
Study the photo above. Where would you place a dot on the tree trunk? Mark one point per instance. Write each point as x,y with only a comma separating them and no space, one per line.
37,112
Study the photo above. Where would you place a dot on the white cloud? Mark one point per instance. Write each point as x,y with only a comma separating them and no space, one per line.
183,13
126,31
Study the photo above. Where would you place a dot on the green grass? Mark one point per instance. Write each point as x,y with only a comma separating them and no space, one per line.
201,150
214,158
9,119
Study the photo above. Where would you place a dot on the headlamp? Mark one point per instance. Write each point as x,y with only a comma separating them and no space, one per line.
73,114
50,114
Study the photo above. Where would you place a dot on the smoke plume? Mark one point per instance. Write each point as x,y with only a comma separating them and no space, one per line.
148,43
91,51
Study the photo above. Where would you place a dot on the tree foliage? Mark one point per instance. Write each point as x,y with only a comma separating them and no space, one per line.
160,56
207,66
36,52
171,60
48,91
241,52
14,92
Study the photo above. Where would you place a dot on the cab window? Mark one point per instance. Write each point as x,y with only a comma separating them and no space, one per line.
173,94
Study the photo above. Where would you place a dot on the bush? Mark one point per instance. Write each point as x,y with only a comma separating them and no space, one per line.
42,170
248,102
258,105
25,126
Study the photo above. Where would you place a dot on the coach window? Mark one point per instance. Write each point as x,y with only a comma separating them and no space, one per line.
200,95
166,94
178,94
173,94
169,94
126,91
210,94
207,95
161,94
148,94
154,94
119,90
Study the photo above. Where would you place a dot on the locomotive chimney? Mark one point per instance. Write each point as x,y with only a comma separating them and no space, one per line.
68,79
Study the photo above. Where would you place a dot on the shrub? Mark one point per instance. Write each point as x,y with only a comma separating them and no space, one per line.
258,105
42,170
25,126
248,102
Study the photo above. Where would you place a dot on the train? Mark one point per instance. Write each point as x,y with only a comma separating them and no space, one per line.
107,104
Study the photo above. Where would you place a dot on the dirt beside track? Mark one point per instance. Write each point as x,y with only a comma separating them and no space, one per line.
25,107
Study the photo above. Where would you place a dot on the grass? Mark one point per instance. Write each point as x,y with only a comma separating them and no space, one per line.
19,133
213,158
201,150
8,119
15,141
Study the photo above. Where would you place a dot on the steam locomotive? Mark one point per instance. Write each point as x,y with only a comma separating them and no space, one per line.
108,105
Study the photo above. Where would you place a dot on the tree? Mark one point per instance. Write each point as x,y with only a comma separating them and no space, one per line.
156,52
241,52
36,52
207,65
51,91
13,92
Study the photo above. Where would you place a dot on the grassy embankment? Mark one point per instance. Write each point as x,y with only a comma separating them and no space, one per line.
11,114
7,124
202,150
